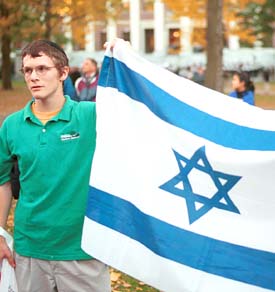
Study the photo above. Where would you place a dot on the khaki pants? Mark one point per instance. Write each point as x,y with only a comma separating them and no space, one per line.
34,275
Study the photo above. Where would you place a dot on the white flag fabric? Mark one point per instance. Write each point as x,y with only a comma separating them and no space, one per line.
182,192
8,281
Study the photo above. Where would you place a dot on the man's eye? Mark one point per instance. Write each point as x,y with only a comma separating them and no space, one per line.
41,69
27,70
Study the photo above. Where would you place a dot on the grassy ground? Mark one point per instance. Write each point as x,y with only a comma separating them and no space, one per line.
13,100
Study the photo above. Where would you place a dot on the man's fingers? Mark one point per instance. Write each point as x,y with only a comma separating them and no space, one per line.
5,252
113,42
11,260
105,45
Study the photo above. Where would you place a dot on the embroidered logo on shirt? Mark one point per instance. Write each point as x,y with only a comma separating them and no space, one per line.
72,136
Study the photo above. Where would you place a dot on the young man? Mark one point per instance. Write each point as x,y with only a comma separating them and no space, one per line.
86,85
53,138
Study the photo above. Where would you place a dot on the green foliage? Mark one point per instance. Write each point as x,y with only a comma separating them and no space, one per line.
260,20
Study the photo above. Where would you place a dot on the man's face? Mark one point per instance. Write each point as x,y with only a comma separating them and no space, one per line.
42,77
88,67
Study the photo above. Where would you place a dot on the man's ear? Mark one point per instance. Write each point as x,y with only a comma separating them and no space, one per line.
64,73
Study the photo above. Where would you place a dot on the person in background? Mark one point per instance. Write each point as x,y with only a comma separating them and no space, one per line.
87,84
199,75
266,78
186,72
69,89
74,73
243,87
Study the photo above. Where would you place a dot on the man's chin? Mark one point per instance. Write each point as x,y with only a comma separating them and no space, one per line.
37,96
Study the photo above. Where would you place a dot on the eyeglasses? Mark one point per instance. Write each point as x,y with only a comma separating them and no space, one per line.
40,70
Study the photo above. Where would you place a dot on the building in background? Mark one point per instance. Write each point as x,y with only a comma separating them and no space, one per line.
152,27
171,36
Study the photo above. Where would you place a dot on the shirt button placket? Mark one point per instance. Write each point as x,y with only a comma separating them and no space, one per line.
43,137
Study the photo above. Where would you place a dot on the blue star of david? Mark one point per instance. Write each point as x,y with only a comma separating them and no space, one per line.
223,182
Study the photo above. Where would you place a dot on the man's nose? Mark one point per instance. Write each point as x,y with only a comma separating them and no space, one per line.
33,74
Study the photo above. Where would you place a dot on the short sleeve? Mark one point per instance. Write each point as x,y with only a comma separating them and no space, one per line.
6,159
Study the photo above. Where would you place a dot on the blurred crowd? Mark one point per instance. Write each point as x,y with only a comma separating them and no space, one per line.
83,80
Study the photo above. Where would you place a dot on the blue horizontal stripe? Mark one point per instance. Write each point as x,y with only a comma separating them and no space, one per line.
117,75
200,252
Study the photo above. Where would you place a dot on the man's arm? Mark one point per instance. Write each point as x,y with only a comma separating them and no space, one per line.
5,204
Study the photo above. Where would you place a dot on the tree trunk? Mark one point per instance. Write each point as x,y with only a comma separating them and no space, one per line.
214,72
6,50
6,62
48,18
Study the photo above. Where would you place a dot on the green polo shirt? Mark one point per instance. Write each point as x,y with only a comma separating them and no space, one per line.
54,161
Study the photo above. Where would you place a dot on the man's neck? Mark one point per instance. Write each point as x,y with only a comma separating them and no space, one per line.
49,105
89,75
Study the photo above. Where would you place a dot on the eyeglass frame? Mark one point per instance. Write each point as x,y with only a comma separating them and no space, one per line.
44,68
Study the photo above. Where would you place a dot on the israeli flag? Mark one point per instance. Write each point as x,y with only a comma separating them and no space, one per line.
182,187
